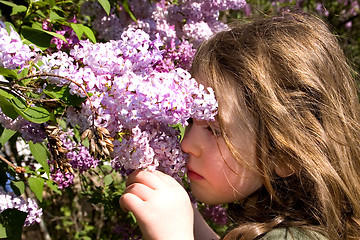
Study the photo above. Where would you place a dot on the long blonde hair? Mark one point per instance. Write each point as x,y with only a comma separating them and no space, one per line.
298,85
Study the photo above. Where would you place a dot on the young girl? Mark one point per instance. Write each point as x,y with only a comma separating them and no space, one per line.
284,151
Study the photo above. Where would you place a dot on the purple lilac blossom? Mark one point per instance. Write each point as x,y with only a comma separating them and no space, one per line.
66,31
175,23
29,131
216,214
190,16
9,200
70,36
63,180
126,231
13,53
78,155
135,97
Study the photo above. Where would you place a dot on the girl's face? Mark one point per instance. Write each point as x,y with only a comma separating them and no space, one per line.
216,177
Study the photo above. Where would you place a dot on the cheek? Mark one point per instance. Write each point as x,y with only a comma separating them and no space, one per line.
243,179
246,182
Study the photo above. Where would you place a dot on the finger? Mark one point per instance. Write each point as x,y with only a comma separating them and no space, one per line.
142,191
147,178
130,202
166,178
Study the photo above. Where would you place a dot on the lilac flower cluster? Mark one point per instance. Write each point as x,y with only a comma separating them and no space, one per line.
179,25
9,200
13,53
29,131
164,18
216,214
78,154
134,98
68,32
200,17
126,231
351,11
153,147
62,179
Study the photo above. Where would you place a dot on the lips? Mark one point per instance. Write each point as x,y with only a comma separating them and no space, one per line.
193,176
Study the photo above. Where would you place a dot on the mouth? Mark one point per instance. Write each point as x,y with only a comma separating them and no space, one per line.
193,176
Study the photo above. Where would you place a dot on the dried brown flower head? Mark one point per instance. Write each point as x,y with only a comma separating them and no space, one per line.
100,141
58,152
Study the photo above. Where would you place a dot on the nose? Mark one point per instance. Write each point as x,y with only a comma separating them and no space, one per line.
190,143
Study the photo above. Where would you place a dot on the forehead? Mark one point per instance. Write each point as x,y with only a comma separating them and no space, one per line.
202,79
232,106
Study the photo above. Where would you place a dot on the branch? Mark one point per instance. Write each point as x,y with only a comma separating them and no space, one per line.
17,169
66,78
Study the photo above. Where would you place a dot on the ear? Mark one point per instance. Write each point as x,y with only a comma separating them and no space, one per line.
284,170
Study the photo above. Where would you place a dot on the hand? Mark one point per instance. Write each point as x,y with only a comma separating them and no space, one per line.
160,204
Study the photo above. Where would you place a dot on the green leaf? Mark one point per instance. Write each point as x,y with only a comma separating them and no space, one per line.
64,94
127,9
6,107
54,16
6,135
52,3
12,220
41,14
23,73
2,231
108,180
37,25
39,152
16,8
18,187
78,29
37,186
6,94
53,186
181,129
106,5
39,37
90,34
33,114
8,73
54,91
72,99
9,25
56,35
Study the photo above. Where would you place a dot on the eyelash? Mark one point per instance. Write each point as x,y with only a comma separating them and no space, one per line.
213,131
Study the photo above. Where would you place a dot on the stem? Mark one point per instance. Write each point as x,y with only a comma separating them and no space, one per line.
17,169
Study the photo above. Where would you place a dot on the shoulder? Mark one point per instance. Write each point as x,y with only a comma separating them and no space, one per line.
292,234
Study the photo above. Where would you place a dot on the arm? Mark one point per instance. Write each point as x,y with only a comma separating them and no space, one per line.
160,204
202,230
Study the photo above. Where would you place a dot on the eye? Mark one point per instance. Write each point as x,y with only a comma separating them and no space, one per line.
214,130
190,121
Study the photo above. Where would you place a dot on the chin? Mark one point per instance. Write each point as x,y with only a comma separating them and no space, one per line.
205,198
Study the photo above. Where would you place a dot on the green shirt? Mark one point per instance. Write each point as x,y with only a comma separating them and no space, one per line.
292,234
